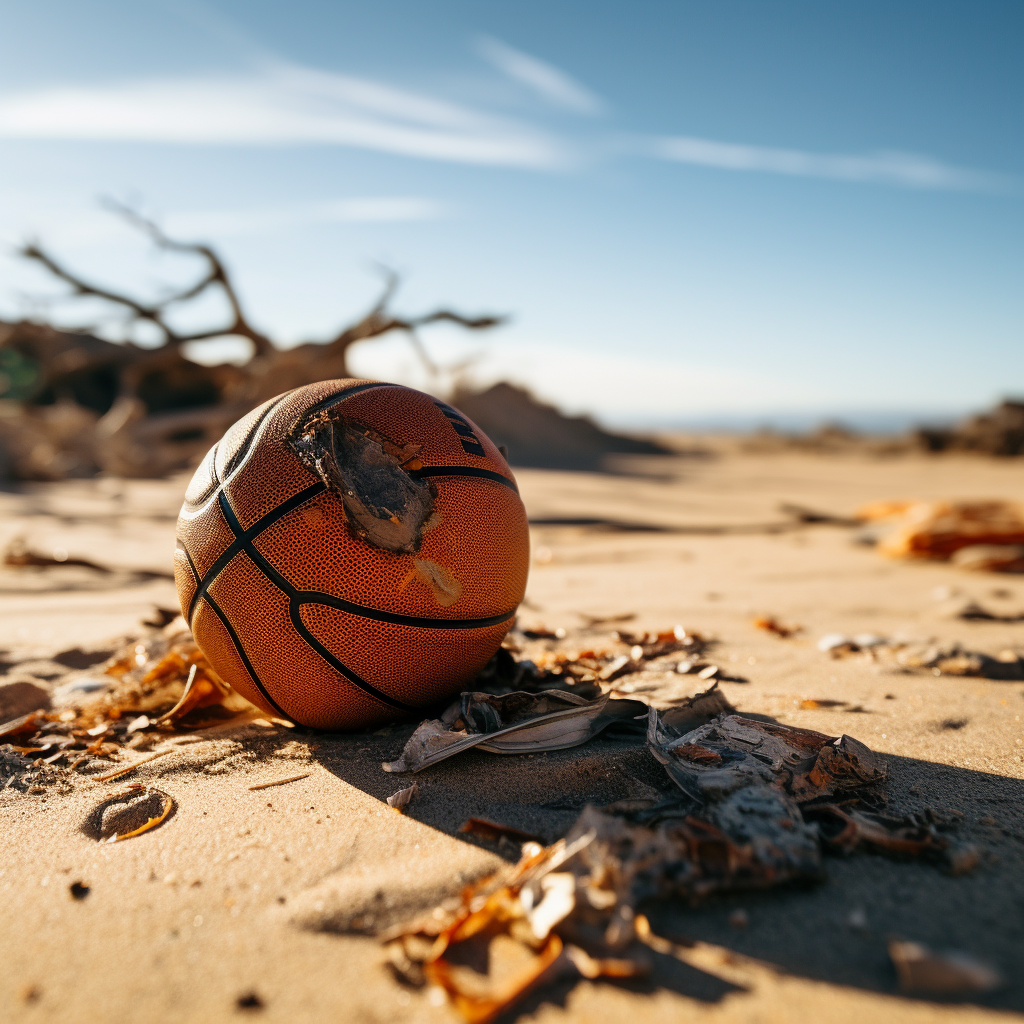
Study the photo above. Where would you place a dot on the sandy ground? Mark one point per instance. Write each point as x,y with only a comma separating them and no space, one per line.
255,892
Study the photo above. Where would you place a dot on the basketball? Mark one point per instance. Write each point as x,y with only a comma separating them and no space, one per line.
350,552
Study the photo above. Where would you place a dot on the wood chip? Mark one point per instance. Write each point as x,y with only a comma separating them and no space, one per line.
280,782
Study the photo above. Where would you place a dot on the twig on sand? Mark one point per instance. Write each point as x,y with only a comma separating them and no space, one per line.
280,782
129,767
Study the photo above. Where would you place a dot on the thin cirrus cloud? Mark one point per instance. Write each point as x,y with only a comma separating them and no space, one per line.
284,105
547,81
281,106
906,169
260,219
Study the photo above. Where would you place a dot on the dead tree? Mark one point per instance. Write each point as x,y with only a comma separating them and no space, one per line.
377,322
165,401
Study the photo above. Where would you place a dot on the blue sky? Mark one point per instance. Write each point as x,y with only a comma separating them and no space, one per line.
691,210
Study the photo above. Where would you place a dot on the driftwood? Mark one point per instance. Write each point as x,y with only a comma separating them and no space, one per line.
77,405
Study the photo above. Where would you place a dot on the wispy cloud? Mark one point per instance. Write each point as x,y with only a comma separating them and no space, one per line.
906,169
281,104
265,219
285,105
550,82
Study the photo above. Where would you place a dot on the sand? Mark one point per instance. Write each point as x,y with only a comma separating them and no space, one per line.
257,895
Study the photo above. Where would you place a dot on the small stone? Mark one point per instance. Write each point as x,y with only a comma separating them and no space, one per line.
868,640
249,1001
948,973
830,641
739,918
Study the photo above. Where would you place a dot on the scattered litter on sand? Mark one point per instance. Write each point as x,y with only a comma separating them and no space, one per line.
758,803
990,558
400,800
117,773
520,919
747,803
151,688
926,657
844,830
990,533
546,661
511,724
691,712
772,625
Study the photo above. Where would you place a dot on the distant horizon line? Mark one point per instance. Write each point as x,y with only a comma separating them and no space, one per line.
863,421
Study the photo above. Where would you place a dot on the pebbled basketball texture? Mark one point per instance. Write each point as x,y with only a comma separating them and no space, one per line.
351,551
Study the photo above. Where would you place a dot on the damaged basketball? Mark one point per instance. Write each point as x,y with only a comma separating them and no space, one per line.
350,552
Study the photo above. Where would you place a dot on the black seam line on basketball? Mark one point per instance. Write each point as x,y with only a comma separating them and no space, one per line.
483,474
214,478
295,603
235,463
245,657
317,597
191,565
295,613
243,448
255,530
346,393
449,411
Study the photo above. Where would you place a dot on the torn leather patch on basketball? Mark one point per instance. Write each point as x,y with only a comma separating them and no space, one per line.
383,504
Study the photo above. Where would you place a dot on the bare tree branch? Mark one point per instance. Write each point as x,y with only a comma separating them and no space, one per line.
216,274
32,251
268,360
155,312
378,322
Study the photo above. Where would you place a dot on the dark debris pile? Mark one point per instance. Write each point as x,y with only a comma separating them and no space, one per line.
154,686
754,804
